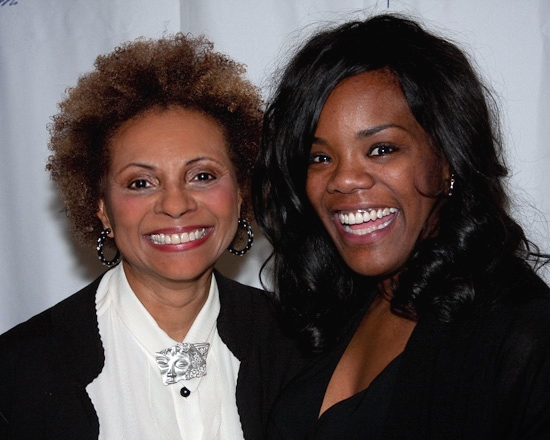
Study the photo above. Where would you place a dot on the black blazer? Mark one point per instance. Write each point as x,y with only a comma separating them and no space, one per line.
47,362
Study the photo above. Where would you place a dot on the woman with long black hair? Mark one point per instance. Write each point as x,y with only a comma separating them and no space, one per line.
381,186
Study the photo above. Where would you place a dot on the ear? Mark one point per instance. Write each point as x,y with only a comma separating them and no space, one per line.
102,215
239,202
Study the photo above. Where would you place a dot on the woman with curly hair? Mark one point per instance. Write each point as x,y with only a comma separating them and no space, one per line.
380,184
152,152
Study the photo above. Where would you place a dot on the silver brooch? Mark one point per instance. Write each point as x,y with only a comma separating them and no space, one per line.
183,361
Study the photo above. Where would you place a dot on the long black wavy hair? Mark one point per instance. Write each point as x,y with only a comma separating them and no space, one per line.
477,242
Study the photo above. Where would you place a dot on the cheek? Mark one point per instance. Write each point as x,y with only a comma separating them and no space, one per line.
429,177
428,188
224,200
125,210
314,191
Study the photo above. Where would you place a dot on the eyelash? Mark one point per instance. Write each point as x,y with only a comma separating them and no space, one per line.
314,158
204,176
138,184
388,147
383,150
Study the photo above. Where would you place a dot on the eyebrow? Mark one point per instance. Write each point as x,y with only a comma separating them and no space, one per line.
363,133
373,130
135,164
151,167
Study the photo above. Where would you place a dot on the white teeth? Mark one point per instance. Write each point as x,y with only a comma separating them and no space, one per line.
364,217
184,237
367,230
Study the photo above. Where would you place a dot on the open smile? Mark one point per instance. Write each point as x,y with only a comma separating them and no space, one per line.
184,237
364,222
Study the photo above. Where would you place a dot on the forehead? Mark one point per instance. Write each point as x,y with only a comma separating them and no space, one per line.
174,130
370,92
366,101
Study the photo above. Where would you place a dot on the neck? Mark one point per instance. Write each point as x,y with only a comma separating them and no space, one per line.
385,288
173,305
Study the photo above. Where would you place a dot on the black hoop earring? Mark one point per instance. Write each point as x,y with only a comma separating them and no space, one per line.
248,229
99,248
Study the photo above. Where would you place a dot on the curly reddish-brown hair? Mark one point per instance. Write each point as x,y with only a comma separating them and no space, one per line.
136,77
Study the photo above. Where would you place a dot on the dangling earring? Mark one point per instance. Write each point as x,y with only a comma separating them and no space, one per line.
248,229
451,185
99,248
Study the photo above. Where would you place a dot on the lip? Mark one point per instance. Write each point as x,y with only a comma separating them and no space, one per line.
372,225
366,216
178,239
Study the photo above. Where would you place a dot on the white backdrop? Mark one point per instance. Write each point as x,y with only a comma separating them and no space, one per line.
46,44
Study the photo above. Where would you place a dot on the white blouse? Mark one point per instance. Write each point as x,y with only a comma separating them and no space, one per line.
129,396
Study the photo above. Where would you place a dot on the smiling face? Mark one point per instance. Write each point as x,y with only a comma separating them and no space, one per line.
171,196
373,177
182,362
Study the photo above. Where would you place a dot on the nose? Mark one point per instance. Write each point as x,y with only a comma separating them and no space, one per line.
171,371
350,175
176,201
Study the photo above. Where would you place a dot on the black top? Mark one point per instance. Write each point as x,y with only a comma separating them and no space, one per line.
481,378
359,416
43,390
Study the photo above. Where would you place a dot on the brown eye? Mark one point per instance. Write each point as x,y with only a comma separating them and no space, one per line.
381,150
204,177
318,158
139,184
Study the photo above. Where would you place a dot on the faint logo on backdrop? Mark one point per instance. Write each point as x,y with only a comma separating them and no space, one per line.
8,2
